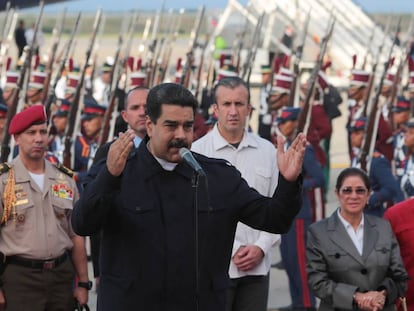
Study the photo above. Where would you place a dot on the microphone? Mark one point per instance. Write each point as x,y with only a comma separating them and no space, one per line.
188,157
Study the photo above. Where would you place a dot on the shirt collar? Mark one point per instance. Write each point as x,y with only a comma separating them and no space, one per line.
219,142
346,223
137,141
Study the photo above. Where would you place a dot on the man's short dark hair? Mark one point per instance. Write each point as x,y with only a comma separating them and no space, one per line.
168,94
232,83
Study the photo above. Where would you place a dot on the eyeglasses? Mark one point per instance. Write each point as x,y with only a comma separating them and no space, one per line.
349,190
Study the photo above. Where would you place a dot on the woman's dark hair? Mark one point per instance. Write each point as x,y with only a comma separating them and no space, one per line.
352,171
168,94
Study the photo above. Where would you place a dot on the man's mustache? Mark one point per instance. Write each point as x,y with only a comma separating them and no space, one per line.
178,144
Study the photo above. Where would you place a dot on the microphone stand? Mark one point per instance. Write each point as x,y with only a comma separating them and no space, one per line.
194,184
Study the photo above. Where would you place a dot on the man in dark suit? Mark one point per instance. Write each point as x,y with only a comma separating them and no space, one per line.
133,114
154,255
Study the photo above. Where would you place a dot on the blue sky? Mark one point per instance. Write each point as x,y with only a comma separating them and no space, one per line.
371,6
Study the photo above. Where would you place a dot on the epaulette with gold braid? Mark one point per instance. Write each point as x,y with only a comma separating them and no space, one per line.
4,167
64,169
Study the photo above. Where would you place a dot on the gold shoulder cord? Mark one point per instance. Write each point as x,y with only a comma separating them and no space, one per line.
9,198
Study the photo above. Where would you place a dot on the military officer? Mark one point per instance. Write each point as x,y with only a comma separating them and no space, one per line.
36,238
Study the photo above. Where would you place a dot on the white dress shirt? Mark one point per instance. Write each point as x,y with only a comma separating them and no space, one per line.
256,160
357,236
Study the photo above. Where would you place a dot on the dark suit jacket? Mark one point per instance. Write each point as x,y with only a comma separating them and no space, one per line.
147,218
336,270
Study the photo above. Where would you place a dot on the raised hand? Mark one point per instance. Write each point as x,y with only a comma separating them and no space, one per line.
119,151
290,161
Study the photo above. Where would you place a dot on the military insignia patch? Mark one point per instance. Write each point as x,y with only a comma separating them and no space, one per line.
62,191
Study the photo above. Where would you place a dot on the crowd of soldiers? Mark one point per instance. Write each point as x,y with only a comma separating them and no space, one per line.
380,140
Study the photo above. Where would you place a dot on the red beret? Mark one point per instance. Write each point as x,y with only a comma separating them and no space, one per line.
33,115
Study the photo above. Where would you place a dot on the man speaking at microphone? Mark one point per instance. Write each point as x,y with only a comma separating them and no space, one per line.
144,203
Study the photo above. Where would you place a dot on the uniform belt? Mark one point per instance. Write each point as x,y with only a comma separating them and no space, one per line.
37,264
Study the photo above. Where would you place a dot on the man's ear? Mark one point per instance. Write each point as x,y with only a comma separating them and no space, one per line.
149,125
215,108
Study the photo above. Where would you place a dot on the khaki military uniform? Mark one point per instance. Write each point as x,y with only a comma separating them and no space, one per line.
37,238
41,228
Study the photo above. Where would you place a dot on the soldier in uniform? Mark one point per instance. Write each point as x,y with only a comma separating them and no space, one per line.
410,93
401,115
40,252
10,86
293,242
356,94
384,185
278,98
86,143
102,93
35,88
101,85
59,122
265,118
407,179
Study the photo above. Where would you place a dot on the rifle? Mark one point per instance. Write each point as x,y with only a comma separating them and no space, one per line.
207,92
368,143
116,58
152,48
304,117
298,59
127,53
6,21
5,148
168,49
130,37
255,47
161,64
368,91
200,67
397,78
368,48
9,24
70,127
57,33
23,95
239,45
119,66
185,79
51,96
248,62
